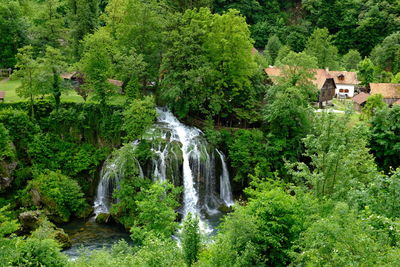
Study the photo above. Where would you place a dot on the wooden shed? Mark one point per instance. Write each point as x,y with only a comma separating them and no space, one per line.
360,100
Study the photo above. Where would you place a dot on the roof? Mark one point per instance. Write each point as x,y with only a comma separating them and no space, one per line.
320,75
349,77
254,51
388,90
361,98
115,82
68,76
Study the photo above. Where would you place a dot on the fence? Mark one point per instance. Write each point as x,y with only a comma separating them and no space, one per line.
5,73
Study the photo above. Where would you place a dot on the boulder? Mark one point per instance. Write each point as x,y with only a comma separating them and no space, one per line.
62,238
225,209
30,220
6,174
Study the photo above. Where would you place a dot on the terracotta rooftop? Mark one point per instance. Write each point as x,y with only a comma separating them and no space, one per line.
361,98
388,90
68,76
344,77
115,82
320,75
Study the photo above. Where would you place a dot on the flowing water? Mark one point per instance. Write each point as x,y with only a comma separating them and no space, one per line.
181,155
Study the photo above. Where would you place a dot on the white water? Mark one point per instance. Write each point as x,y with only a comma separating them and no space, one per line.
225,185
182,156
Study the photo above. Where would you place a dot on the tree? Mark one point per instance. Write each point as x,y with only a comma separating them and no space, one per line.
297,70
385,133
156,212
217,79
272,47
13,25
182,5
191,239
387,54
366,72
29,72
247,150
261,233
339,158
96,64
6,150
341,238
137,25
84,18
138,117
382,195
130,69
49,24
396,78
374,104
288,112
54,65
320,46
351,59
283,52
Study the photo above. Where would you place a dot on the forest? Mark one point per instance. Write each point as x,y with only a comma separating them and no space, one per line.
155,123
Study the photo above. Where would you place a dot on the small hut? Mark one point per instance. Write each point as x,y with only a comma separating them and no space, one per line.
360,100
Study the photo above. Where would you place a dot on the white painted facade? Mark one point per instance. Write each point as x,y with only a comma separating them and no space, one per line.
348,90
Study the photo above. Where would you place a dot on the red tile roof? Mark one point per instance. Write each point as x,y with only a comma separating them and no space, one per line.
361,98
388,90
320,75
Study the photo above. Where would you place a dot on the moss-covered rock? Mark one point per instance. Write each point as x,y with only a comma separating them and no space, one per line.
30,220
225,209
62,238
103,218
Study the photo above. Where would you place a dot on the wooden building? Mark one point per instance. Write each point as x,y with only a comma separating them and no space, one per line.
389,91
360,100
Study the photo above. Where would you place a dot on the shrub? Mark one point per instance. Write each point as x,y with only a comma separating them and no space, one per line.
58,194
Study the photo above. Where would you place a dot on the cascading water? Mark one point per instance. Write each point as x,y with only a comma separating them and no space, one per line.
225,185
181,155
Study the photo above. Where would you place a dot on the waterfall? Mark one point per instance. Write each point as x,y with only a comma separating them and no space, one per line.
225,185
181,155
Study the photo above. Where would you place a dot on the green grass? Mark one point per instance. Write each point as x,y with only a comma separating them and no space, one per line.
9,87
342,104
68,96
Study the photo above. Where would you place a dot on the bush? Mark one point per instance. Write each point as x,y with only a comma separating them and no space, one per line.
36,252
139,115
20,127
50,152
58,194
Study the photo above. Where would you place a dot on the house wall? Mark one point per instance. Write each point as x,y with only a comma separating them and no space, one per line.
345,86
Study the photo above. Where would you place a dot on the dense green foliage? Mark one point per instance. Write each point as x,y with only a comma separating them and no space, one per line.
313,189
385,137
191,239
58,194
139,116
